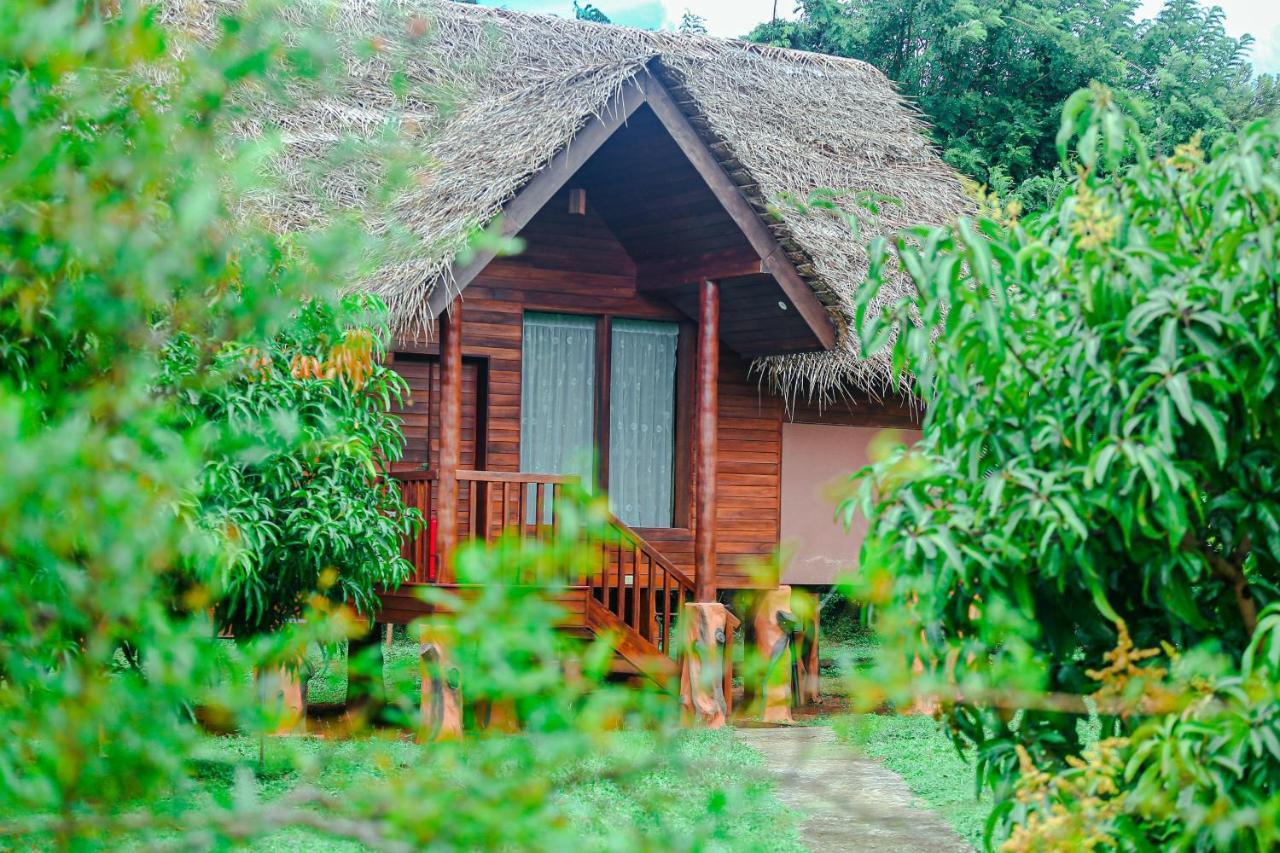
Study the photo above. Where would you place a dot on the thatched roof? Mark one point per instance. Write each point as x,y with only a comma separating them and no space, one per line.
782,123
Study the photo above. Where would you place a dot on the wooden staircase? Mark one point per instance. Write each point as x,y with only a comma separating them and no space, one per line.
632,594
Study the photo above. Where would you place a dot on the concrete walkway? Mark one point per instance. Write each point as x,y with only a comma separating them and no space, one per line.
846,802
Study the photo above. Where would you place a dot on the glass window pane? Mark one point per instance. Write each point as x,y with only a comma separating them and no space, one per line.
642,404
557,395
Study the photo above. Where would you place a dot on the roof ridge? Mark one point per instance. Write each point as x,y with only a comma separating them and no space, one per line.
663,38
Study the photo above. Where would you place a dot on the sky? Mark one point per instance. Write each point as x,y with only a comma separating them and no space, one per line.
730,18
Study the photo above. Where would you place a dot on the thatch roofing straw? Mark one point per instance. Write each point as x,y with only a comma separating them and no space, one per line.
782,122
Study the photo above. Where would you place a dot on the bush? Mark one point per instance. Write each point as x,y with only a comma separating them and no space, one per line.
1092,511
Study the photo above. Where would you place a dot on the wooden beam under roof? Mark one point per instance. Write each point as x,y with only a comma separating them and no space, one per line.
542,186
692,269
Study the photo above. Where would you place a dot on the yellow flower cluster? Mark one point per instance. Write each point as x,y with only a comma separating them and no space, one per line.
1188,156
990,204
1124,680
1093,222
351,360
1076,805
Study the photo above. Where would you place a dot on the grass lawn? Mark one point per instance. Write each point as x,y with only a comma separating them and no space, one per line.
663,804
668,801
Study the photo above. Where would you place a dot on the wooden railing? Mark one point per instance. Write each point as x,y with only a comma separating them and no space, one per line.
632,580
417,490
640,586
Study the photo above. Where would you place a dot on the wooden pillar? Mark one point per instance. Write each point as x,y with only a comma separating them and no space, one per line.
450,438
704,547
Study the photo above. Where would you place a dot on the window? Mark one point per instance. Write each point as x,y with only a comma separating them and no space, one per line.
557,395
642,417
563,414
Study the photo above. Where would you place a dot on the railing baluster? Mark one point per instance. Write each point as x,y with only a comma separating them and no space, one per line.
666,612
522,503
422,561
622,599
502,523
473,505
635,585
555,496
650,608
537,511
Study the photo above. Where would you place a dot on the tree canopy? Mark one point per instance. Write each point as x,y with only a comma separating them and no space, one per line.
1092,511
991,76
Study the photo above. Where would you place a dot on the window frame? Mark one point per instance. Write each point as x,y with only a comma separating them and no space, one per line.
682,450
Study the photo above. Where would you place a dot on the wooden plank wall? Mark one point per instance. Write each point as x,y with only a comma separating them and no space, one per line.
574,264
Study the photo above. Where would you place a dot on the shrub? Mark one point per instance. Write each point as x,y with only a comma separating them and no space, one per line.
1097,475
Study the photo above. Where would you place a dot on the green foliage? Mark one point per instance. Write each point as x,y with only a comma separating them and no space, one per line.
693,23
299,484
992,75
588,12
114,244
1095,490
192,421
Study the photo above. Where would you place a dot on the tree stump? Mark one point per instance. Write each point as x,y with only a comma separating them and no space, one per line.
805,646
703,649
441,709
285,688
774,623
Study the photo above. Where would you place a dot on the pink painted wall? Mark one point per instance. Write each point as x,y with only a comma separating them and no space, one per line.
817,460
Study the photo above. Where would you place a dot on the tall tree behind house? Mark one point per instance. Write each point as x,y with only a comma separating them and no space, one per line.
992,75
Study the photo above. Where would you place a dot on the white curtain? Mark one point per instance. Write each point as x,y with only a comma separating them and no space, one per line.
557,395
642,403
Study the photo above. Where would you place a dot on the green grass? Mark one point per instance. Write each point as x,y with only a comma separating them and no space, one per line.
663,804
710,784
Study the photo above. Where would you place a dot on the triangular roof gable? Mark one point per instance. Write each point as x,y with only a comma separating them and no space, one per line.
646,89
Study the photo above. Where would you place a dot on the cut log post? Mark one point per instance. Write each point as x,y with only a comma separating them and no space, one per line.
497,716
704,632
284,689
774,623
441,710
805,646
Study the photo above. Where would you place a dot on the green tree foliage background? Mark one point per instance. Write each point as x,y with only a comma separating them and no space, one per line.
174,379
1090,525
991,76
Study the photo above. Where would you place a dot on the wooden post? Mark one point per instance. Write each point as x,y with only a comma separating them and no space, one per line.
441,703
774,624
450,438
704,548
704,659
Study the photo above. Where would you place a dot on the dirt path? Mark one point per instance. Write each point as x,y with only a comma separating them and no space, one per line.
848,803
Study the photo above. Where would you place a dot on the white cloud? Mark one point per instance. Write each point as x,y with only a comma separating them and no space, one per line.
728,18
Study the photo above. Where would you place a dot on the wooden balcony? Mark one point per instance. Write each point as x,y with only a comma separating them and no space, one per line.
631,590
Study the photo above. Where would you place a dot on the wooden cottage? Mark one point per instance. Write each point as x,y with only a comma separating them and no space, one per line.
675,329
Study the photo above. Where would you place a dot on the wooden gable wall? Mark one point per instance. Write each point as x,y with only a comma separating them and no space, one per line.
574,264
